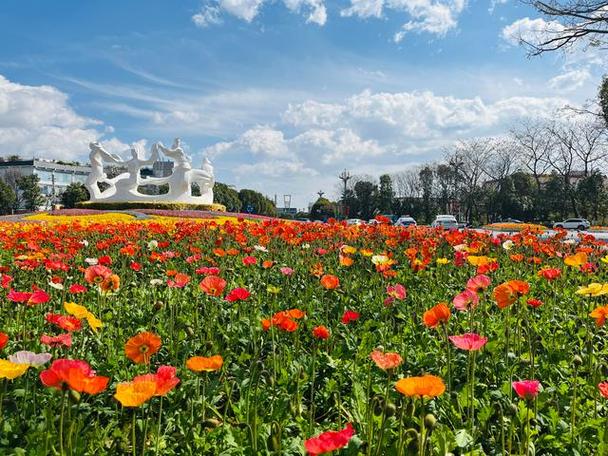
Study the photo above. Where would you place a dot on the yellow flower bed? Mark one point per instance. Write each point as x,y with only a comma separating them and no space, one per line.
515,227
92,218
598,228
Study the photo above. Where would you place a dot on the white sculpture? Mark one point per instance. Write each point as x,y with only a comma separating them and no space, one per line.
124,187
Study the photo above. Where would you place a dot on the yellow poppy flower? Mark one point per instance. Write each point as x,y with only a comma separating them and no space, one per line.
12,370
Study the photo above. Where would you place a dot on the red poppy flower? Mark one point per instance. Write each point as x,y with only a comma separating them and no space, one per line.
77,288
6,281
74,374
135,266
65,322
603,387
350,316
249,261
165,379
320,332
104,260
550,273
329,441
57,341
212,285
3,340
238,294
208,270
527,389
533,302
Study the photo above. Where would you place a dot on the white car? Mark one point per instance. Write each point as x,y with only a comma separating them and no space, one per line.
354,222
405,221
573,224
445,221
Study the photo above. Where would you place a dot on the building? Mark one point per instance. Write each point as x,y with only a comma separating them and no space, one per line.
54,176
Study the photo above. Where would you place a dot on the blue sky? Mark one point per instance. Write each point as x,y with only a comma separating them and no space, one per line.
281,94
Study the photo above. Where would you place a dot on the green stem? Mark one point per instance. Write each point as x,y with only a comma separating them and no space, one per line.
63,397
312,388
133,436
421,443
160,414
383,421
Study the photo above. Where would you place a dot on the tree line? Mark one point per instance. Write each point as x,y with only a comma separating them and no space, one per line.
541,171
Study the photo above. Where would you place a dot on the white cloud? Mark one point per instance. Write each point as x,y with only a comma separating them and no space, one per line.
530,30
570,80
208,15
37,120
248,10
416,115
430,16
243,9
364,8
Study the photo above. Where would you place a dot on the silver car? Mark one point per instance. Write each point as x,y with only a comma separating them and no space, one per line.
573,224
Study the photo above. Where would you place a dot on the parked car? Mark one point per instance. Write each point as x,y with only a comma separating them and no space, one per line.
446,221
573,224
511,220
354,222
406,220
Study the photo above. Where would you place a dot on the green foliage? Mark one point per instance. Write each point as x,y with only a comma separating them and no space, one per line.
30,192
115,205
74,193
323,209
229,197
7,198
258,203
603,99
385,194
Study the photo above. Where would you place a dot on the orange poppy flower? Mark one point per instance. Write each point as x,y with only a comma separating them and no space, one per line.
424,386
330,282
205,364
212,285
136,393
600,314
139,348
576,260
507,293
346,261
110,284
436,315
386,361
317,269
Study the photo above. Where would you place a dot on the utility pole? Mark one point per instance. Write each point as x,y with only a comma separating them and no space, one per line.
344,176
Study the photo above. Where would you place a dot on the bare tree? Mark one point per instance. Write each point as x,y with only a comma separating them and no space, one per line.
407,183
589,145
564,158
569,23
534,145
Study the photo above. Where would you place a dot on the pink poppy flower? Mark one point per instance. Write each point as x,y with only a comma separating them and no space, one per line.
396,291
57,341
527,389
286,271
469,341
466,300
478,283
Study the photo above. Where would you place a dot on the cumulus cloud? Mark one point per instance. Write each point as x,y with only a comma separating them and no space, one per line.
208,15
430,16
248,10
530,30
570,80
38,121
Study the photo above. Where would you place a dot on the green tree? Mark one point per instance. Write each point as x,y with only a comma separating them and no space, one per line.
7,198
30,192
603,99
366,193
74,193
386,194
323,209
591,195
426,182
256,202
229,197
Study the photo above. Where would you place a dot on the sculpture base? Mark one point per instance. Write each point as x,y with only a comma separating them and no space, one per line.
175,206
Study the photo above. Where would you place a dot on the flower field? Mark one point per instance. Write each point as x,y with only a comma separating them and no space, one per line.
168,336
